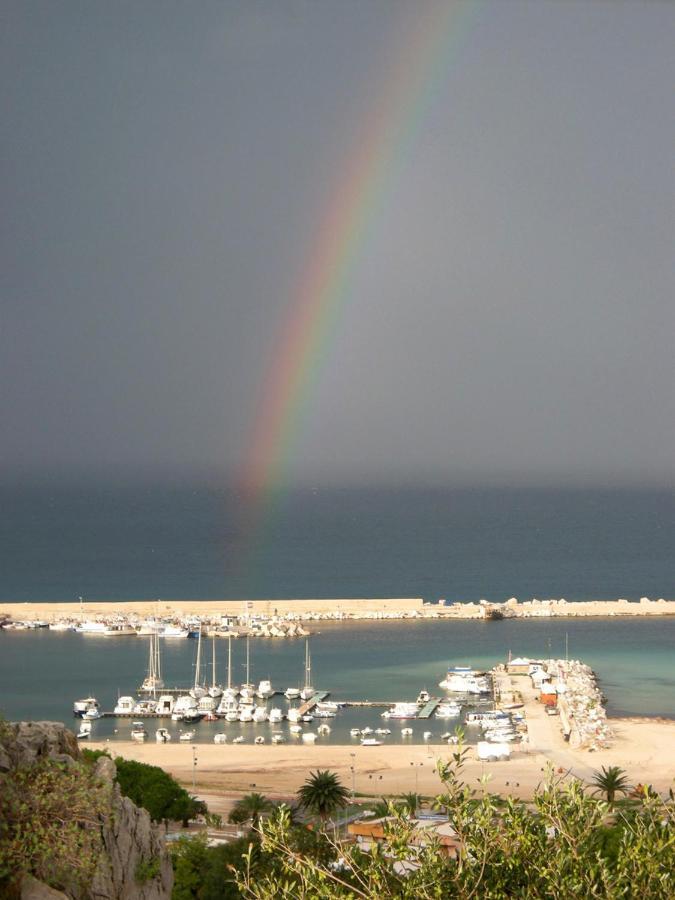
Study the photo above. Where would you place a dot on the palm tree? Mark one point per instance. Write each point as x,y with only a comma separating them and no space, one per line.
323,794
251,808
610,781
411,803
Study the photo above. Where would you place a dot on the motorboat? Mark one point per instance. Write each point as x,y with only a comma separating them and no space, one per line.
323,713
383,731
173,631
232,715
220,738
145,707
307,718
293,714
259,740
165,704
448,711
323,729
185,703
366,730
292,693
227,705
277,739
192,716
403,711
276,715
238,740
265,690
260,714
427,735
119,631
355,732
80,707
464,680
85,730
124,706
162,736
138,732
93,713
210,717
91,628
406,732
186,736
370,742
423,698
328,706
295,729
309,737
246,714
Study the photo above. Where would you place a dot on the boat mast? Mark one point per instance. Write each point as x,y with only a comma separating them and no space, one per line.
229,662
248,660
199,656
213,660
308,665
158,664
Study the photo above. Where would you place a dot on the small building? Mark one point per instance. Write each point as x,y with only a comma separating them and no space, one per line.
548,694
518,666
425,829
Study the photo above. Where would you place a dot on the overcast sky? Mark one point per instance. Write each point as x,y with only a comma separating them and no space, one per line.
165,167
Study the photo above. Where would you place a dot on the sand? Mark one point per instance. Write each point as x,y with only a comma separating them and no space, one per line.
645,748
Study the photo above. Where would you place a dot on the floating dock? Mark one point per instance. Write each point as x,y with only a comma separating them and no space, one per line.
428,709
311,703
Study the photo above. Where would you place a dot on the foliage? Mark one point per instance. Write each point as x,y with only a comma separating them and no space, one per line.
50,823
610,782
156,790
147,869
560,845
323,794
208,873
250,808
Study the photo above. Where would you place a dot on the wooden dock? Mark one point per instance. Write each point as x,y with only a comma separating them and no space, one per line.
311,703
428,709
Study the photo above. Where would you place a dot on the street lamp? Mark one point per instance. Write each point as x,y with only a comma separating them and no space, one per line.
417,772
194,768
353,771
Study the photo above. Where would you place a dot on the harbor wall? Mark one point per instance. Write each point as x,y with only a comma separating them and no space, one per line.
206,608
534,609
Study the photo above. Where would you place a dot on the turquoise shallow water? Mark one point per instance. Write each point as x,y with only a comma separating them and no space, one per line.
42,672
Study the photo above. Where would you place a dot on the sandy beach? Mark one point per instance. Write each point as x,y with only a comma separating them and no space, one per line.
645,748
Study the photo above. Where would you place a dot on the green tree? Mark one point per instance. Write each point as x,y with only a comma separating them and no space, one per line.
157,791
250,808
610,782
323,794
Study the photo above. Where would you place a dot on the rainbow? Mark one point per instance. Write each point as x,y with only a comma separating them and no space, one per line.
418,71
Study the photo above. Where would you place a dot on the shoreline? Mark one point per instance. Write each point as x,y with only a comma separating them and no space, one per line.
643,747
340,610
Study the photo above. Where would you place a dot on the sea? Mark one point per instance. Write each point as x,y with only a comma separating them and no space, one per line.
169,540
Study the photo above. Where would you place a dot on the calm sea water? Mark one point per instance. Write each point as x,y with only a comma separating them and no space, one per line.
42,672
172,541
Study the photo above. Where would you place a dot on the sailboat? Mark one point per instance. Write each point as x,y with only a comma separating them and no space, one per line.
153,680
228,705
308,691
215,690
198,690
248,689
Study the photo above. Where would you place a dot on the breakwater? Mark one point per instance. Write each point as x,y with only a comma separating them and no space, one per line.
332,609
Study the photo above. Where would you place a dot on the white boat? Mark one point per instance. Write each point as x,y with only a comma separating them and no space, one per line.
80,707
162,736
323,729
185,703
227,705
138,732
295,729
307,718
355,732
85,730
370,742
293,714
292,693
118,631
125,705
91,628
173,631
260,714
165,704
153,679
423,698
259,740
277,739
147,628
366,730
93,713
207,703
176,716
448,711
427,735
220,738
60,626
276,715
383,731
327,706
309,737
145,707
265,689
238,740
406,732
323,713
186,736
246,714
403,711
464,680
308,691
247,690
232,715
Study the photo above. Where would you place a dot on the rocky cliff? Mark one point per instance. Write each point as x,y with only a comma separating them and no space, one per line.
133,863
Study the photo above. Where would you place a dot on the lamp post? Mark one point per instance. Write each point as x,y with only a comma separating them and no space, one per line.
417,772
353,771
194,768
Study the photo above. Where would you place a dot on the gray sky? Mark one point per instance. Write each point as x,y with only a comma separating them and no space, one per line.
165,166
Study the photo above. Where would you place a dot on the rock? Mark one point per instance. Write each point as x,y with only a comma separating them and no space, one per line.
32,889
